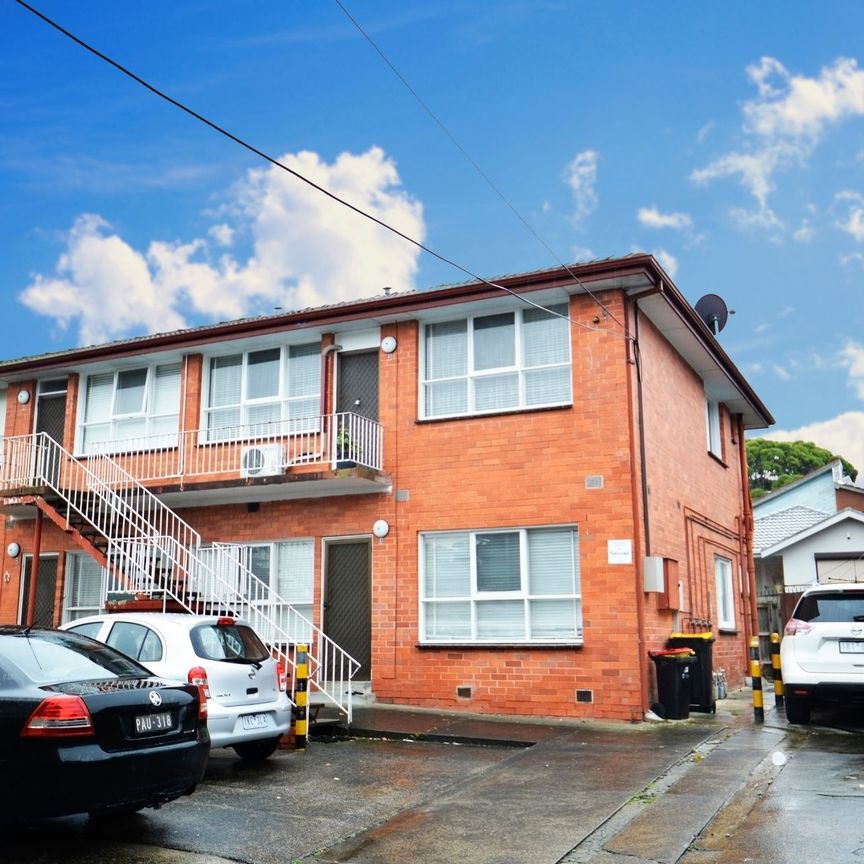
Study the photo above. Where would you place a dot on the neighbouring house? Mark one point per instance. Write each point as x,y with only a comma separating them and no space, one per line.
490,497
808,531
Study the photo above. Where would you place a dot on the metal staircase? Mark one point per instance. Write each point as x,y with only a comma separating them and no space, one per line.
149,551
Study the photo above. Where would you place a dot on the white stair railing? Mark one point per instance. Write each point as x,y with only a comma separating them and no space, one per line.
152,550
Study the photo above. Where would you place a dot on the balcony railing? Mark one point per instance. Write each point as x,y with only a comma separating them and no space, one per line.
257,450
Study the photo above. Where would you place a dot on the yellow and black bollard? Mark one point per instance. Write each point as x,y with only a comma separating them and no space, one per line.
301,697
756,676
776,671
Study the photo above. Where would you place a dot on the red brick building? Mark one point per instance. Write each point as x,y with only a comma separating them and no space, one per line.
494,500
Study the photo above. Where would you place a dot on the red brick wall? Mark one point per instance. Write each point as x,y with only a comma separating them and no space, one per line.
520,470
695,502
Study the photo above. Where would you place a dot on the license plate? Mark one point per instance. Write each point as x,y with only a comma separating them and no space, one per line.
160,722
254,721
852,647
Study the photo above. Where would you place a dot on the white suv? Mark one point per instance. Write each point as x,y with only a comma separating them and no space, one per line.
247,703
822,652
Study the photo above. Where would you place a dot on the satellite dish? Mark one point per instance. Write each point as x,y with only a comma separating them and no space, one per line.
712,310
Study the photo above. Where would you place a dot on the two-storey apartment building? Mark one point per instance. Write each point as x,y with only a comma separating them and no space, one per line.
490,497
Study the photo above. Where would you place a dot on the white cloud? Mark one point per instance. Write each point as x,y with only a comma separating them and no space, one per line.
785,123
667,260
307,250
581,176
651,217
581,253
843,435
804,233
704,132
853,220
223,234
852,358
852,258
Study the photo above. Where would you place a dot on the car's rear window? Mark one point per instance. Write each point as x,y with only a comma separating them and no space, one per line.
233,642
840,607
52,657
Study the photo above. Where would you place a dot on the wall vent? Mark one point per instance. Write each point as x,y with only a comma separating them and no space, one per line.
594,481
585,696
403,495
464,692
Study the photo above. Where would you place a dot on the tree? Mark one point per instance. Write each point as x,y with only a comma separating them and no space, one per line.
772,464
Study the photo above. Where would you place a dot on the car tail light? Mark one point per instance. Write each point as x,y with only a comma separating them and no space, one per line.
198,676
796,627
225,621
281,677
59,717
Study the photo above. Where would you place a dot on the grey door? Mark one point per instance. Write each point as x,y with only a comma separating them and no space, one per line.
51,409
46,586
51,419
358,384
348,601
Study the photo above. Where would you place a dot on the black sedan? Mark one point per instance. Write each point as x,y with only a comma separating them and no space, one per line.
85,729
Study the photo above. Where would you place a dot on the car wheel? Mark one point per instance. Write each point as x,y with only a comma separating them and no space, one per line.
256,751
797,708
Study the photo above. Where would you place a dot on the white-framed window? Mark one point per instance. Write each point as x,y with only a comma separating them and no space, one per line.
725,593
501,586
130,409
712,424
499,362
283,568
265,392
84,586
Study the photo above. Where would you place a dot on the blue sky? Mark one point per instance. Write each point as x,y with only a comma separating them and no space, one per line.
726,138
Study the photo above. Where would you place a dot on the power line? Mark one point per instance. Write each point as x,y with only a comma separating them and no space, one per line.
492,185
276,163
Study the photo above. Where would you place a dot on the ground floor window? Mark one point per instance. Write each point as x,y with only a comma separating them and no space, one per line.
501,586
725,596
272,576
84,587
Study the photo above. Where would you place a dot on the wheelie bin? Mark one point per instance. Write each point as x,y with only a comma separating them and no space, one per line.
701,670
673,681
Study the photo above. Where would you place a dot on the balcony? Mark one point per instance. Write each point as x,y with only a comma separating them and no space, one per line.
333,454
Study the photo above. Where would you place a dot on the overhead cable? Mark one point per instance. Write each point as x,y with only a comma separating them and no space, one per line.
276,163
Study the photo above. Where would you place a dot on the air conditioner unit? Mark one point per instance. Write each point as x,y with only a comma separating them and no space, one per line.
262,460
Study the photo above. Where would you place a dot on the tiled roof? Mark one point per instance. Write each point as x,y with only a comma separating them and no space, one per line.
214,326
776,527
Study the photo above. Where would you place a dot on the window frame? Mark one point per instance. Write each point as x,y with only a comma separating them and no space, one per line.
713,427
71,576
724,580
148,414
472,375
475,596
245,429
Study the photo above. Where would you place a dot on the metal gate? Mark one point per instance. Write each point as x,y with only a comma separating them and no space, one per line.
46,588
348,601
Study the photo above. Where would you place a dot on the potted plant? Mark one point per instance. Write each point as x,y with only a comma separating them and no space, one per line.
347,450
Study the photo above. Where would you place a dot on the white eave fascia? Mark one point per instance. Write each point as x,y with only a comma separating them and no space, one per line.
818,528
711,366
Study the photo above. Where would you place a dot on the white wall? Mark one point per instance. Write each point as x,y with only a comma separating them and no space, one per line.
799,562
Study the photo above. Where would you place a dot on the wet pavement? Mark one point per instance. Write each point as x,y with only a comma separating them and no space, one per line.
433,787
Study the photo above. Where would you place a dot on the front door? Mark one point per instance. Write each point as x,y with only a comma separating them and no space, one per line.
358,384
51,409
46,588
348,600
51,419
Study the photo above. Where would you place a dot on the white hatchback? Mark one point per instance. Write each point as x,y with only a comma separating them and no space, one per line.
822,652
248,706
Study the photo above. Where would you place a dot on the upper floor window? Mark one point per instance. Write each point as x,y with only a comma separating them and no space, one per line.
501,586
497,362
132,408
712,419
263,392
